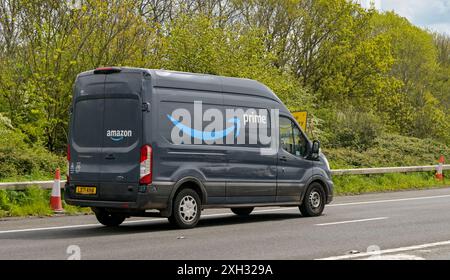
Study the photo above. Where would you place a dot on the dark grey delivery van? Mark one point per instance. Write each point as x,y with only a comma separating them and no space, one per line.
161,143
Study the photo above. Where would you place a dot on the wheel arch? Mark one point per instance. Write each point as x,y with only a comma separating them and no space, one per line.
315,179
186,182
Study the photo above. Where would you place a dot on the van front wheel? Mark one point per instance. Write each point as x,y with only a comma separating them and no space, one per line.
244,211
186,209
109,219
313,201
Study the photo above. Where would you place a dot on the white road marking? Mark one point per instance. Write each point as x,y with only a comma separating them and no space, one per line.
388,200
395,257
47,228
353,221
389,251
129,222
228,214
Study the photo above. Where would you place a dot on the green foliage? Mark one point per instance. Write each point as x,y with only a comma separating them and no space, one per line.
389,150
359,73
358,184
352,128
198,44
41,56
422,78
22,160
34,201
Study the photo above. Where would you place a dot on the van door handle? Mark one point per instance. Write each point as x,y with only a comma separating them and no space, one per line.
110,156
283,158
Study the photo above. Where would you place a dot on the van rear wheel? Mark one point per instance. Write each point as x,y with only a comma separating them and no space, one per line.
314,201
186,209
244,211
109,219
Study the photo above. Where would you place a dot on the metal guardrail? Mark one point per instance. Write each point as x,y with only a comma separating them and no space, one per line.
20,186
336,172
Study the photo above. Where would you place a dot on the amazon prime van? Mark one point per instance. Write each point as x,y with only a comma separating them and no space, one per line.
160,143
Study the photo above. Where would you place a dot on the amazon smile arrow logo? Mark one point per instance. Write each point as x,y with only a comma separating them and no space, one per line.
239,126
208,135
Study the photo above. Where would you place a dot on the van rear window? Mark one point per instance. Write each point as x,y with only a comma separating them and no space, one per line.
121,122
88,123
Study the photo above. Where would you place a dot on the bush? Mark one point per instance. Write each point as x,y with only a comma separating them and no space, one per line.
354,128
22,161
389,150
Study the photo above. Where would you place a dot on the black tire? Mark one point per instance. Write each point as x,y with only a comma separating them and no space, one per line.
109,219
244,211
186,217
314,201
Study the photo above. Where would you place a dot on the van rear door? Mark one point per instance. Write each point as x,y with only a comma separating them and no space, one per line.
122,126
85,140
106,134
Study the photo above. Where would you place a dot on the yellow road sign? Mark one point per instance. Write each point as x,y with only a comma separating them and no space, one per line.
301,118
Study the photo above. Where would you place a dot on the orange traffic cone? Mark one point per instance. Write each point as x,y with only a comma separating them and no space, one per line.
55,199
439,168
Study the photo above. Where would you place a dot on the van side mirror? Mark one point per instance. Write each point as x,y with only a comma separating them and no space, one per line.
315,149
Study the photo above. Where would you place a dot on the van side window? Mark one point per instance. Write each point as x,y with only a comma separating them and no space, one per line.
286,136
291,139
300,143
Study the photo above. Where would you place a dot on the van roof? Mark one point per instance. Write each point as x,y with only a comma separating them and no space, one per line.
195,81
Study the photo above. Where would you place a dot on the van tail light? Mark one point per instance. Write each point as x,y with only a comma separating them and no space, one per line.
146,165
68,163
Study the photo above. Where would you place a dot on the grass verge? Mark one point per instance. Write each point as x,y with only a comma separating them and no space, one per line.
33,201
358,184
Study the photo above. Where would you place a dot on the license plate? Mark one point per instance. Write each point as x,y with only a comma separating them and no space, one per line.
86,190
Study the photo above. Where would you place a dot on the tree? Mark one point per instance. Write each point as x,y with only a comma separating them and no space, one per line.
317,55
416,67
57,41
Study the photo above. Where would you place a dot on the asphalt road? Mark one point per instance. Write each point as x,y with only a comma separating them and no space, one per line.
401,225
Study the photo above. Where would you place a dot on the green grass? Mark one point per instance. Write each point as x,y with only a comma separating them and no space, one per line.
34,201
27,178
358,184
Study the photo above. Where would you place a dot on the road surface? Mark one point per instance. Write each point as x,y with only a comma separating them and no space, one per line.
400,225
